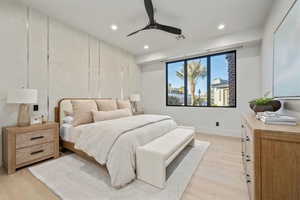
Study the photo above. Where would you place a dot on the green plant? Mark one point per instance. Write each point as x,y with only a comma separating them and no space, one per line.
261,101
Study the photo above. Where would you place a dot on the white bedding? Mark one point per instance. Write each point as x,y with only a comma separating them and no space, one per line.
70,133
114,142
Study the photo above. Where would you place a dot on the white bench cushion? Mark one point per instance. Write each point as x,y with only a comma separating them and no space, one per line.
170,142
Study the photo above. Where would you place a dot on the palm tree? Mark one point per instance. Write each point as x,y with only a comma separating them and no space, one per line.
195,70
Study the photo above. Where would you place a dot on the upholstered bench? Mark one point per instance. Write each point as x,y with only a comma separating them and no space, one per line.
154,157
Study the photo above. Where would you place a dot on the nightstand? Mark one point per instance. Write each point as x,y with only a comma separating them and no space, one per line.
23,146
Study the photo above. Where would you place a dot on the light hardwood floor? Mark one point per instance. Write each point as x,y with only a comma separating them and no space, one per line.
219,176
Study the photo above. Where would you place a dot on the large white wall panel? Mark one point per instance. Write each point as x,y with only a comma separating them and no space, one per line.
110,71
124,64
134,77
12,52
13,67
69,67
94,67
38,73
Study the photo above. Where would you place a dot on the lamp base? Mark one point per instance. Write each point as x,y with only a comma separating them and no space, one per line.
23,115
135,109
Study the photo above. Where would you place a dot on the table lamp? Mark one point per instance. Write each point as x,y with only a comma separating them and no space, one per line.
134,98
24,97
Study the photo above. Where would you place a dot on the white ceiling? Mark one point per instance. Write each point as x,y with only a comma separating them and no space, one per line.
197,18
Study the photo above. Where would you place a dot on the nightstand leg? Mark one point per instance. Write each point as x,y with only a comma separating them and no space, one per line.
56,155
11,171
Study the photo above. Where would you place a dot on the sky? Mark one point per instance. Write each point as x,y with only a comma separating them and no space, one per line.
219,69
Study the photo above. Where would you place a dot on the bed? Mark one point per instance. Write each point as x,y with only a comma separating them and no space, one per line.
112,142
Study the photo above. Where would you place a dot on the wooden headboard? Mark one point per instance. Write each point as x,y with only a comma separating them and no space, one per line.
65,105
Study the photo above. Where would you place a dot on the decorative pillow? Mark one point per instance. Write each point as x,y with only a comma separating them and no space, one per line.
122,104
109,115
82,110
107,104
68,113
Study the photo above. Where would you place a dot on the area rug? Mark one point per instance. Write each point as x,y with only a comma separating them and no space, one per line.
73,178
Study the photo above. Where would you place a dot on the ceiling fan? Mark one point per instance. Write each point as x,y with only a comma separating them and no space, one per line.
154,25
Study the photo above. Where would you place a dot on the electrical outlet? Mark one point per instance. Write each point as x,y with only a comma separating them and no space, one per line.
35,107
217,123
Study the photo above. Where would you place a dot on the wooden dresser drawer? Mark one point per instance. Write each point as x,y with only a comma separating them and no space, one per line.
35,152
34,138
250,178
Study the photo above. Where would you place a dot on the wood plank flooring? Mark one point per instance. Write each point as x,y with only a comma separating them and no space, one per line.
219,176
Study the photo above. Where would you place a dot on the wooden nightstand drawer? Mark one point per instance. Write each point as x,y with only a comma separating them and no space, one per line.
34,138
33,153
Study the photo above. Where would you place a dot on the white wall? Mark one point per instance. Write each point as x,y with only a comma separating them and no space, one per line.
79,65
186,49
279,10
204,119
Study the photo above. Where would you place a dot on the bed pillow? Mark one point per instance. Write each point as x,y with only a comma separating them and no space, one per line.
107,104
68,113
122,104
68,120
109,115
82,111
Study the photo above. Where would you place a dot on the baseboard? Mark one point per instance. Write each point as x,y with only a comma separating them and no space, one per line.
221,132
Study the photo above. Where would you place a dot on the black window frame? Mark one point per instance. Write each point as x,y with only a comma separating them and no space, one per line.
208,80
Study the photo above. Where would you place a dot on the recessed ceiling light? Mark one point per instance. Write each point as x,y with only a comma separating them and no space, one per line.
114,27
221,26
146,47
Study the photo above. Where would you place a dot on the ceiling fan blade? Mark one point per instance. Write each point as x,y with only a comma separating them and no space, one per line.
169,29
150,10
135,32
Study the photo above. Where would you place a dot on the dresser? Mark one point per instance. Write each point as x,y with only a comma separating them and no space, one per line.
23,146
271,159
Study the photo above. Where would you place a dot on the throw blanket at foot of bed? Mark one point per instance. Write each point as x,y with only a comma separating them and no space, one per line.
114,142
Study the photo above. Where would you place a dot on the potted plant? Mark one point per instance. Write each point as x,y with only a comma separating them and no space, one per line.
265,104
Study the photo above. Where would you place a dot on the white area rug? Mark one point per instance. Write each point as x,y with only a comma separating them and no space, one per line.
73,178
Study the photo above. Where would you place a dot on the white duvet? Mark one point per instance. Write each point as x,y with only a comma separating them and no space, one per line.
113,142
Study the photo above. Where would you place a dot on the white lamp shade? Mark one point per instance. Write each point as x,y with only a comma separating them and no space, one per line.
135,97
22,96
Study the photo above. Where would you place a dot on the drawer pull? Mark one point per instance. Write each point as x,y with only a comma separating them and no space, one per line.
248,181
36,152
248,158
247,139
37,138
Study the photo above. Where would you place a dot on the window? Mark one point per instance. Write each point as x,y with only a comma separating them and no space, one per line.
176,89
208,81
